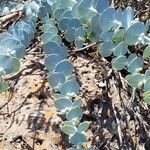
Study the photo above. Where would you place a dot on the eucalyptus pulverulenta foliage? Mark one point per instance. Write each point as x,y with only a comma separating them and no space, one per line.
96,20
77,21
13,44
7,7
62,79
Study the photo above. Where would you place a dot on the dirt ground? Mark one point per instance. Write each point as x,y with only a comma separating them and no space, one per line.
119,119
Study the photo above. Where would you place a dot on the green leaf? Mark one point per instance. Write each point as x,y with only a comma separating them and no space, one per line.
119,62
74,114
147,84
120,49
67,129
107,36
70,88
107,19
58,13
9,64
135,80
147,73
56,80
3,86
118,35
147,97
63,103
83,126
70,34
135,64
133,33
146,93
106,49
70,123
127,17
77,103
146,53
78,138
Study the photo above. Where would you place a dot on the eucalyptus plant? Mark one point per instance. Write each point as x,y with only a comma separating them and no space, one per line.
78,21
13,44
62,79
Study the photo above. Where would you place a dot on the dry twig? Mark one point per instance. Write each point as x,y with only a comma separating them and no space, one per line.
11,16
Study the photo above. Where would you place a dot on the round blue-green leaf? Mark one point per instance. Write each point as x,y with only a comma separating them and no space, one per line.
3,86
42,12
49,22
79,43
20,34
9,64
118,16
147,73
50,29
82,127
74,23
127,17
77,103
22,25
64,24
80,32
53,48
107,36
102,5
46,37
146,53
135,65
146,93
133,33
70,88
31,22
65,67
118,35
70,123
74,11
69,129
15,47
4,36
51,61
78,138
135,80
147,97
131,57
18,51
63,103
147,84
10,43
119,62
56,80
58,13
83,7
120,49
67,14
49,46
56,39
106,48
60,50
95,22
34,7
107,19
74,114
68,4
70,34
